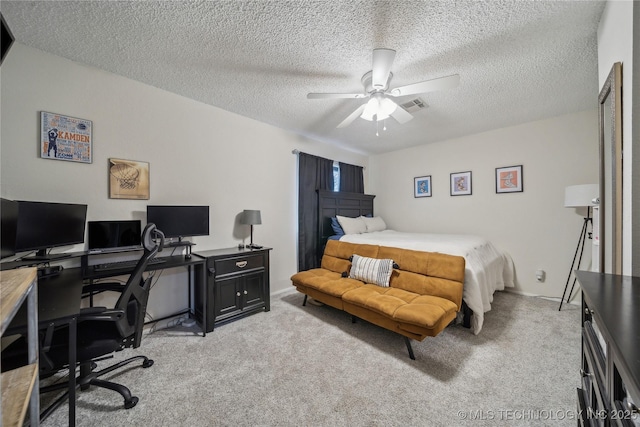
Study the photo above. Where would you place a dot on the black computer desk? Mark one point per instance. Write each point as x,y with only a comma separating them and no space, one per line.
60,300
196,268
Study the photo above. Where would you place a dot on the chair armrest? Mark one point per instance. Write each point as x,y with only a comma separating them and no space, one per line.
100,313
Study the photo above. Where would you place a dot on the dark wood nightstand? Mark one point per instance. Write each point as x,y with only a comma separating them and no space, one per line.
237,284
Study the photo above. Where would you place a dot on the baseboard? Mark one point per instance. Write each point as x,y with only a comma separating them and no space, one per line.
576,300
283,292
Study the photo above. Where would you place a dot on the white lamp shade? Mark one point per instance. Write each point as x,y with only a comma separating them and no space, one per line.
576,196
370,109
387,106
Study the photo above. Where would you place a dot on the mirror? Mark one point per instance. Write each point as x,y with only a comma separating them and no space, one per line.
610,222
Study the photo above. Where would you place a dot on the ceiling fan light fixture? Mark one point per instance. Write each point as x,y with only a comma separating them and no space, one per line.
378,106
370,109
387,106
381,116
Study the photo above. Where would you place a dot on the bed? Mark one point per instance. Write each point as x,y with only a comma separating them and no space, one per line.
487,269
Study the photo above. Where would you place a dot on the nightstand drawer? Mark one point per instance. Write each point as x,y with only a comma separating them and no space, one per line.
238,264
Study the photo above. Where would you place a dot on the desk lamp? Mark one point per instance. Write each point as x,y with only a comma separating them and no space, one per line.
251,217
579,196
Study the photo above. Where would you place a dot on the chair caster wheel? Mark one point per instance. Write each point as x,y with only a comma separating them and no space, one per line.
130,403
147,363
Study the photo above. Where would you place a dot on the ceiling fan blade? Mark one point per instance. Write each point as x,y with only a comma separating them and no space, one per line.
346,122
336,95
381,67
433,85
401,115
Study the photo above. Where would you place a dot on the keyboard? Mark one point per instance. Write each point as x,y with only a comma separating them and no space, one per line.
118,265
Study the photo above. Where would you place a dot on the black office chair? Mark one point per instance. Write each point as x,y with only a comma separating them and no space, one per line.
102,331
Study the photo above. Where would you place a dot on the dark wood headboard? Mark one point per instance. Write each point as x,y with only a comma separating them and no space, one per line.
331,203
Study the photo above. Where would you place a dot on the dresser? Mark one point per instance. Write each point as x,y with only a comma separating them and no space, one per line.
610,386
237,284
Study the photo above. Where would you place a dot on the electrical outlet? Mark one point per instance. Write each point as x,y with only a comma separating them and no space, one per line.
540,275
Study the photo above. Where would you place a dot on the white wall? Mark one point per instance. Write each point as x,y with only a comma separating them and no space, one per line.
615,44
198,154
532,226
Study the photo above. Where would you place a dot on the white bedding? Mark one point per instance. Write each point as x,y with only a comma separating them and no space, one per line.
487,269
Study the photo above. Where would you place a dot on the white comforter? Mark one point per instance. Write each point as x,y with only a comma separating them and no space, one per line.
487,269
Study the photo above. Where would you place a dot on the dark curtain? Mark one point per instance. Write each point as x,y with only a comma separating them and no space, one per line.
314,173
351,178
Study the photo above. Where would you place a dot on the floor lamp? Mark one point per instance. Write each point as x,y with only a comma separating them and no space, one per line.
579,196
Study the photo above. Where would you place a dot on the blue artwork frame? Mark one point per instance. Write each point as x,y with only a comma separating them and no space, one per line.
422,186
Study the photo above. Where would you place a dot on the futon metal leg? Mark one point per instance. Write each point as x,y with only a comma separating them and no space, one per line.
408,343
305,301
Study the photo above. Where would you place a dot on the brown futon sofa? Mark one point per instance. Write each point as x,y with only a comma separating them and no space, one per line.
423,295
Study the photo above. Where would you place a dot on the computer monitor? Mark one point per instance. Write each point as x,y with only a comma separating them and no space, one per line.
44,225
180,221
106,236
8,227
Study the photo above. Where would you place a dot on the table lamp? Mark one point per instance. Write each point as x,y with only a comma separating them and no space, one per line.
251,217
579,196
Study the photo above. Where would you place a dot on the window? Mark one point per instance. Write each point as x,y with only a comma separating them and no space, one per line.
336,176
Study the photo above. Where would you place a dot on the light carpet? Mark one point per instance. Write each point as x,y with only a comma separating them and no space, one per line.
312,366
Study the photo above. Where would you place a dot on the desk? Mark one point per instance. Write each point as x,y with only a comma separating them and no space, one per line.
58,304
196,266
196,271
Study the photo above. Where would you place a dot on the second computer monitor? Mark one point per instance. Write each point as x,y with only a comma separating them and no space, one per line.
114,235
180,221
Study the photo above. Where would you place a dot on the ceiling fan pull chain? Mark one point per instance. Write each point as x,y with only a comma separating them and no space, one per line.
377,134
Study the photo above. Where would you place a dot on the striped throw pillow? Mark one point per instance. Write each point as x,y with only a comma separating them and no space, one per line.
371,270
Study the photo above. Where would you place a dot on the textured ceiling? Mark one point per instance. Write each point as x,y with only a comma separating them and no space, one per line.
518,60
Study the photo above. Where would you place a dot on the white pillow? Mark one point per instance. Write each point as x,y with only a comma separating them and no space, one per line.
374,224
371,270
352,225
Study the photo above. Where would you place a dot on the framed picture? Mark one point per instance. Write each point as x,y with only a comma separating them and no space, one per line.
461,183
128,179
509,179
65,138
422,186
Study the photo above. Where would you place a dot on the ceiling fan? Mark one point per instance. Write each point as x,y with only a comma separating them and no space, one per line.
376,88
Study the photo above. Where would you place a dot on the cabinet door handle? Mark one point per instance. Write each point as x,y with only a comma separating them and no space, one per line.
241,264
245,292
238,293
585,373
587,311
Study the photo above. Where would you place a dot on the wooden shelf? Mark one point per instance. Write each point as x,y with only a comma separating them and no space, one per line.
13,291
16,390
19,386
